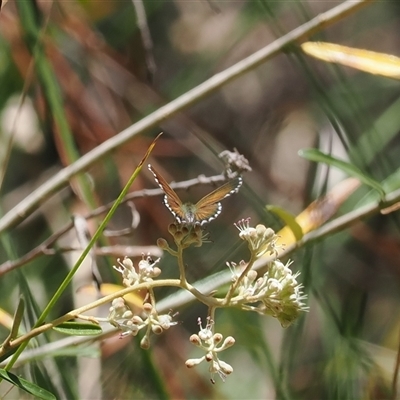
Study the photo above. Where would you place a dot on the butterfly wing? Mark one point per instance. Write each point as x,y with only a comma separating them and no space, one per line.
209,207
171,199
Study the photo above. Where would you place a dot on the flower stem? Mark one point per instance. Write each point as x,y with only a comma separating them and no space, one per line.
235,284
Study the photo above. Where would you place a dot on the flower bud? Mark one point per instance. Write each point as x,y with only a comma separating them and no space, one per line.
162,243
127,314
225,367
194,339
137,320
147,308
228,342
145,343
156,272
192,362
217,338
157,330
172,228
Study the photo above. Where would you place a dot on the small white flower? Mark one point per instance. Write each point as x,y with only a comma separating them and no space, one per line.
246,232
164,321
205,334
121,316
147,270
127,270
260,239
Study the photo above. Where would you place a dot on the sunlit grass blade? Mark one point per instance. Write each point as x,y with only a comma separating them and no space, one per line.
350,169
364,60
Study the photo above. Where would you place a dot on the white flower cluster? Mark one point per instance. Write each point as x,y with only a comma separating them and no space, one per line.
212,344
277,292
259,239
147,270
121,316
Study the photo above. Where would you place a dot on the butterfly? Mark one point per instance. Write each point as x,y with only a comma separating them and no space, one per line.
205,210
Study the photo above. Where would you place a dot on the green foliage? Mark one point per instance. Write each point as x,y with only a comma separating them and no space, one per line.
80,103
26,386
78,329
348,168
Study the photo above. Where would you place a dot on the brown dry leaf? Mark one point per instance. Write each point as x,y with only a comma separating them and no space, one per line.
320,210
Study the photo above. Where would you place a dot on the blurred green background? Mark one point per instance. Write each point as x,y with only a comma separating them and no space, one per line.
74,74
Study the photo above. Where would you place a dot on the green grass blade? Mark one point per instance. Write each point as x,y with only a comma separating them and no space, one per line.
86,251
26,386
350,169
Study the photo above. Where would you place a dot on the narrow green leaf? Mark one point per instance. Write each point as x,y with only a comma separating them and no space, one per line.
78,329
289,219
391,183
85,252
26,386
318,156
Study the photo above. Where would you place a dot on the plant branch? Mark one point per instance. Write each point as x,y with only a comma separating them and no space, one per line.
45,247
61,179
213,282
77,313
236,284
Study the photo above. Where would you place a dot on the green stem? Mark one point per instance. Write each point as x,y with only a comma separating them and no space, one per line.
181,265
211,315
23,340
236,284
85,252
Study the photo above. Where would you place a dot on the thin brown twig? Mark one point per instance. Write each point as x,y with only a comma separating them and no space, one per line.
45,248
61,179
